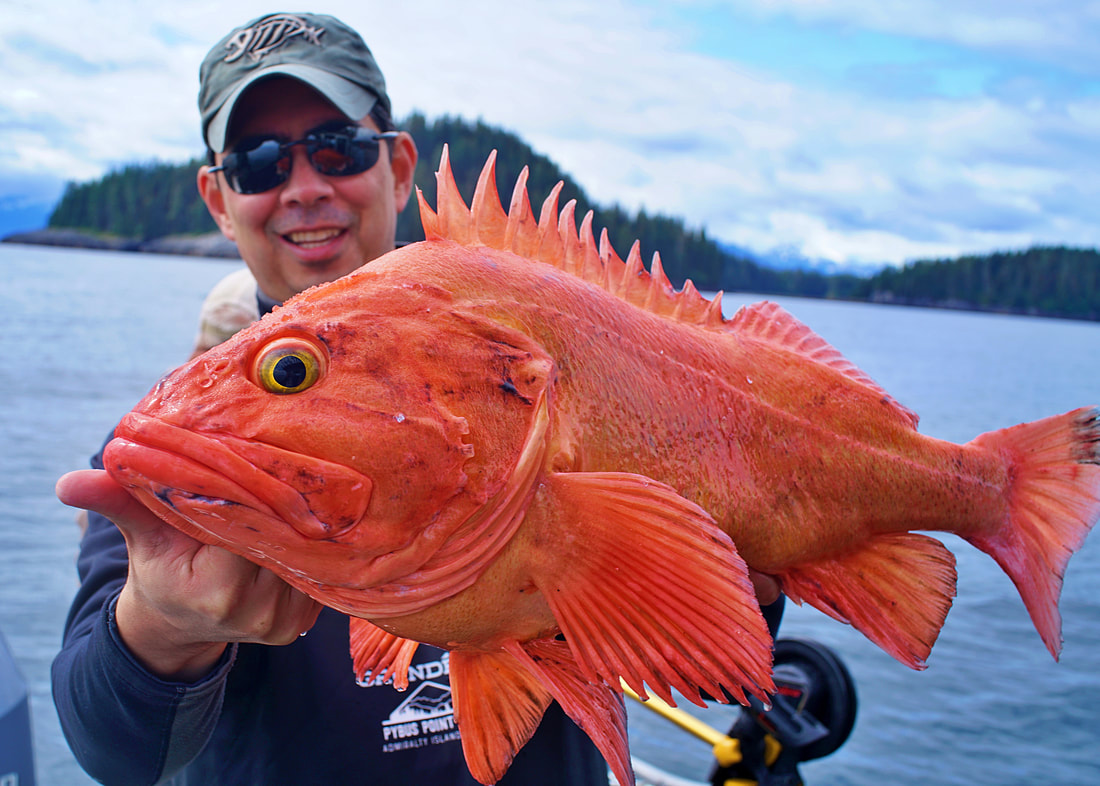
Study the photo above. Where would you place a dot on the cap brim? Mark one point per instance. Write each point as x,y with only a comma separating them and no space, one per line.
353,100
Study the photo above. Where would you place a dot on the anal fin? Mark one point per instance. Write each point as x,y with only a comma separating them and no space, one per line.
895,589
646,587
379,654
498,705
594,706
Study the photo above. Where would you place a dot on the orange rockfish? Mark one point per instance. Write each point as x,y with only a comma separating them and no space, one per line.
507,442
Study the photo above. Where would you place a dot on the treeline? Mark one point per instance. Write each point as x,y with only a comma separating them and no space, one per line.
138,201
1049,281
147,201
155,200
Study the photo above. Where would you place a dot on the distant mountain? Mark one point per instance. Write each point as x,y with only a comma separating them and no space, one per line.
790,258
140,203
23,218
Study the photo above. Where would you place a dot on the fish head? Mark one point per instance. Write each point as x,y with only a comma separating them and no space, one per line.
339,441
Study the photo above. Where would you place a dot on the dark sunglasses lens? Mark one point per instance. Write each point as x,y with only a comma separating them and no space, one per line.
339,153
332,153
259,169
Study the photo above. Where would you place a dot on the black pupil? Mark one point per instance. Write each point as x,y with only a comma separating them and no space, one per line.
289,371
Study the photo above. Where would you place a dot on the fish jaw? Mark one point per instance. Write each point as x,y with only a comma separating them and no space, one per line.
298,515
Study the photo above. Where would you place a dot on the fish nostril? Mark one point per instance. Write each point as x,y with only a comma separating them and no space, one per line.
211,370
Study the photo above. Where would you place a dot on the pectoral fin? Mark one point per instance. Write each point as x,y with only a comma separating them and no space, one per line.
896,590
646,587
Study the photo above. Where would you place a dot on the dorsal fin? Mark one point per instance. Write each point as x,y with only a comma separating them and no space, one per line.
768,321
555,240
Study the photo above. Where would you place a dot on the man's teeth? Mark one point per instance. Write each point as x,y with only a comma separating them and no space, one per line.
313,237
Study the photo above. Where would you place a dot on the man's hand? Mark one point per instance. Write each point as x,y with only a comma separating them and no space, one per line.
765,586
183,601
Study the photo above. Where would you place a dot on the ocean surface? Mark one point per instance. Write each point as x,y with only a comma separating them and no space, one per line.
89,332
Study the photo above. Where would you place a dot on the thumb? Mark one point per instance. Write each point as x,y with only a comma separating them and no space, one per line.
95,490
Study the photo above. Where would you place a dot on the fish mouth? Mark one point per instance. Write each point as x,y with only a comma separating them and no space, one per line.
190,471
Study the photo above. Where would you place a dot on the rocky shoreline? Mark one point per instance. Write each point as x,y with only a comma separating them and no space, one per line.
213,244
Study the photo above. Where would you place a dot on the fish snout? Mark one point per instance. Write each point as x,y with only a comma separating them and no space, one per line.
319,499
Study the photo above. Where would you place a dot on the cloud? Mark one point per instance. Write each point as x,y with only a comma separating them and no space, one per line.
854,131
1062,32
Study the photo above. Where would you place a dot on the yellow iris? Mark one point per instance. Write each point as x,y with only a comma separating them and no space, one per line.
288,365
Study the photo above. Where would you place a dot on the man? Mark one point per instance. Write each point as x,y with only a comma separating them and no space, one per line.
181,662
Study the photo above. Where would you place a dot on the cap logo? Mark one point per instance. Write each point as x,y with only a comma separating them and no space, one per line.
269,34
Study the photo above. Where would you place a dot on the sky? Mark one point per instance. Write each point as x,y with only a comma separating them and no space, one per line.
861,132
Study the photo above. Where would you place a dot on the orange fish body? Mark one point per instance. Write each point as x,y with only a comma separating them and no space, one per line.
504,434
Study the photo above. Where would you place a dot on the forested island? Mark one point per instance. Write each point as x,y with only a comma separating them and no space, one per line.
156,207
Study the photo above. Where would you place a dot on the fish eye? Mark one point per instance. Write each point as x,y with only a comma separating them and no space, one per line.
288,365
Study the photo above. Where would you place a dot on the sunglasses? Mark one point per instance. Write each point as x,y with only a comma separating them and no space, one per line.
264,164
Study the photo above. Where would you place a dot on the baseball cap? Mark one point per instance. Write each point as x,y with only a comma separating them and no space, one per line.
316,49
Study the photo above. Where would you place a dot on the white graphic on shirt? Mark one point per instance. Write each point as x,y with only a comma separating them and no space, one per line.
426,715
429,670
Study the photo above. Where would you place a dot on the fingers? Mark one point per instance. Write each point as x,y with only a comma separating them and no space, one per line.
273,612
91,489
242,602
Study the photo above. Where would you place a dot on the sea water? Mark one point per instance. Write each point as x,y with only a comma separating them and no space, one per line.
86,334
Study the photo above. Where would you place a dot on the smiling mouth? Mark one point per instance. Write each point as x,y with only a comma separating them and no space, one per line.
312,238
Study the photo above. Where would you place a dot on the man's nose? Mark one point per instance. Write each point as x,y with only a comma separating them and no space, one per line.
305,185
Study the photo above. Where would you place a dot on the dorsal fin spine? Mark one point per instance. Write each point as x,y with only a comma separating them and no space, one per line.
521,231
712,317
660,297
549,243
635,280
555,239
611,282
567,233
489,223
686,302
428,218
591,265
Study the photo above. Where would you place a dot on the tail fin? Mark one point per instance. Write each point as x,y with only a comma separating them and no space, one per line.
1054,501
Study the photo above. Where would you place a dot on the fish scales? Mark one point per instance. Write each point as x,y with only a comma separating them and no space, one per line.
515,445
608,355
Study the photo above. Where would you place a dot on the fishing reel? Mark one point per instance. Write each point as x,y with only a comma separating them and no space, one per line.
812,714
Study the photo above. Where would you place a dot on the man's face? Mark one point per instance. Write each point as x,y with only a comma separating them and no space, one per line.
312,228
